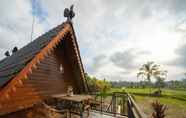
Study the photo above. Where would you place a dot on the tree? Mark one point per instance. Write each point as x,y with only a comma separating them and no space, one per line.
184,75
159,83
149,70
91,81
96,85
160,77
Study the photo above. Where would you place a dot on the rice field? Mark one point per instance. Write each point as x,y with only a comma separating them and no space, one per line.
174,99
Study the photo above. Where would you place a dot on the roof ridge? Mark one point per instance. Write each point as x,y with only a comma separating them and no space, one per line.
40,36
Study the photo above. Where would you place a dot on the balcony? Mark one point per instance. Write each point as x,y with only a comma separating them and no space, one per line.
115,105
120,105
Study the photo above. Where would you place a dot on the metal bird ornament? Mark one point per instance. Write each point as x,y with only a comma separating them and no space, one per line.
69,13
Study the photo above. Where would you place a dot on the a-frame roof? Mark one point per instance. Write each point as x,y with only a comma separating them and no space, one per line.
11,65
16,67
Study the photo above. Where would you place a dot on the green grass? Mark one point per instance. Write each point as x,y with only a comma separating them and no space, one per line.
167,93
174,99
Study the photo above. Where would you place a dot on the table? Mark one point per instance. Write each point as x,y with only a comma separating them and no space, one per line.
79,102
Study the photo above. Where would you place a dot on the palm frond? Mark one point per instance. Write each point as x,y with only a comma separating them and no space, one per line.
140,74
159,110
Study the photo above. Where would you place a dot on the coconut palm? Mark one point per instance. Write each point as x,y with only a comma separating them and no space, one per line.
149,70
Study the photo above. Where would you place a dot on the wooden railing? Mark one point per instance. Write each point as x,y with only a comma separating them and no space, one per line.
131,108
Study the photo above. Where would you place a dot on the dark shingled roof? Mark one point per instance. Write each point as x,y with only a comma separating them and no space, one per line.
13,64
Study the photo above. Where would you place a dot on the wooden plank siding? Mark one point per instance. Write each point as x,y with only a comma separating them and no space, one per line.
34,71
71,54
46,79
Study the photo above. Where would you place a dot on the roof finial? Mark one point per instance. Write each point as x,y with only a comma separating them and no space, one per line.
69,13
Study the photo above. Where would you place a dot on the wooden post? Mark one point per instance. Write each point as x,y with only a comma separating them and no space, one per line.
129,109
81,109
114,104
123,104
101,104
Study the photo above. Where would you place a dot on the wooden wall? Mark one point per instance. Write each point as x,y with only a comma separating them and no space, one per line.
71,54
46,79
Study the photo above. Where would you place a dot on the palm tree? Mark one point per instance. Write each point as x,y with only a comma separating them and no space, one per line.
148,70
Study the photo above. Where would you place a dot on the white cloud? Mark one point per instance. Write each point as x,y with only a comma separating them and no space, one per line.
104,28
15,24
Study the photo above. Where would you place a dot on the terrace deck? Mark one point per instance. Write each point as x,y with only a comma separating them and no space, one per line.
95,114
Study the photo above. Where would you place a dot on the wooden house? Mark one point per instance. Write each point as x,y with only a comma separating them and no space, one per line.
44,67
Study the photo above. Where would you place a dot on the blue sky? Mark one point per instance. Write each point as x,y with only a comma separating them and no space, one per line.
115,36
38,11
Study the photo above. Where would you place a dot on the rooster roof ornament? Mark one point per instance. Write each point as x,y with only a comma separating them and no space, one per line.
69,13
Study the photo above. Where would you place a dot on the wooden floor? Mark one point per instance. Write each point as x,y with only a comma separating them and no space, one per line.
95,114
99,115
42,112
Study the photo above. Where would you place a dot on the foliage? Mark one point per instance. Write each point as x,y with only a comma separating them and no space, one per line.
176,108
151,69
159,110
167,93
160,83
96,85
175,99
173,84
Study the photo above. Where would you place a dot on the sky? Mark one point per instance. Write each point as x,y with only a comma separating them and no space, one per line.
115,36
